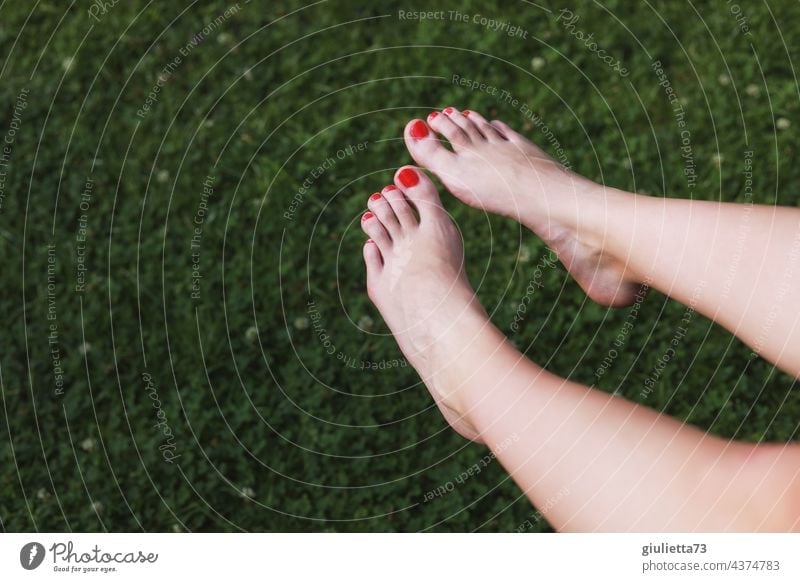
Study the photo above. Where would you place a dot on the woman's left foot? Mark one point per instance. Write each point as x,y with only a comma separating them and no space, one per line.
416,279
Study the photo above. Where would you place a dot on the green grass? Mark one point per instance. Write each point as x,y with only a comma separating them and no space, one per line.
324,446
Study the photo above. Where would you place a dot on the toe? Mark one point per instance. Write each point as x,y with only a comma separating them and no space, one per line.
400,206
464,123
419,189
380,207
502,128
376,231
488,130
425,146
442,124
507,132
519,139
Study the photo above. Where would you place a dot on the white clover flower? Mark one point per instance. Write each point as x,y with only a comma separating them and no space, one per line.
248,74
724,79
247,493
224,38
524,255
753,90
365,323
43,494
84,348
67,64
251,334
162,176
176,528
301,323
783,123
537,63
98,507
87,444
717,159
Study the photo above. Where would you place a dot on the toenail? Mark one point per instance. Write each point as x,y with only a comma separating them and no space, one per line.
466,112
418,130
408,177
389,188
367,216
432,115
448,111
375,196
369,240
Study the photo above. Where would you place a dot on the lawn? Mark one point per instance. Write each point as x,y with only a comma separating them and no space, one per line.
187,342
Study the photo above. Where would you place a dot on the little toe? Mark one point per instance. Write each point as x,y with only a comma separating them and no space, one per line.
508,133
520,139
419,189
400,206
489,131
425,146
376,231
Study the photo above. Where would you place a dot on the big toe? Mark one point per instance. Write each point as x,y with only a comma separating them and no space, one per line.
425,146
420,191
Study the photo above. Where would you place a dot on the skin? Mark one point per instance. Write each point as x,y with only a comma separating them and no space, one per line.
623,466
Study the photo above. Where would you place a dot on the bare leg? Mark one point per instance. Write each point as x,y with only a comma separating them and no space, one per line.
609,464
737,264
623,466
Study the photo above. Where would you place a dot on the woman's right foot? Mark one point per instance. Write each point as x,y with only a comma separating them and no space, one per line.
494,168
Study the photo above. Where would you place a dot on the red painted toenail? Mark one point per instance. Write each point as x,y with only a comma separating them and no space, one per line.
369,240
466,112
367,216
389,188
432,115
418,130
375,196
448,111
408,177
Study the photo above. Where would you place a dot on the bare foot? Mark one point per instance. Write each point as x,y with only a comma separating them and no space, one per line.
494,168
416,279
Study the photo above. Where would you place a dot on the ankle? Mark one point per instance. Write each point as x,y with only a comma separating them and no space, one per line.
457,360
586,214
